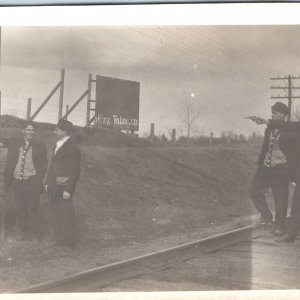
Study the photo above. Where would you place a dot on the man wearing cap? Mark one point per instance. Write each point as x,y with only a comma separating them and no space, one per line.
294,220
62,176
275,168
25,169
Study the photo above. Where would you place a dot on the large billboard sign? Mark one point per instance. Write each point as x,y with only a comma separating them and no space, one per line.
117,103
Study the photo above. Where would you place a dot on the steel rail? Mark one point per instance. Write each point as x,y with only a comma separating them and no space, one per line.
94,279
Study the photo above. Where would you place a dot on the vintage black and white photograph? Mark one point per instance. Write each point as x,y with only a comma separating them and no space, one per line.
149,158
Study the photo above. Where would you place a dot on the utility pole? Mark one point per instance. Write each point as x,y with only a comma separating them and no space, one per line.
0,66
289,88
0,44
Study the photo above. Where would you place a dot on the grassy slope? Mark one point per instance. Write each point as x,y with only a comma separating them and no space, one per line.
155,190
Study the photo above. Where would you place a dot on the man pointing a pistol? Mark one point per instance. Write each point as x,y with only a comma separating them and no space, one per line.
274,171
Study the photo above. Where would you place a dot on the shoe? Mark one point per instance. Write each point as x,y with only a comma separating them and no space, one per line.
286,238
264,221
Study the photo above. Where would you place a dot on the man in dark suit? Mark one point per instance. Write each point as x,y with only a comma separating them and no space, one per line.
26,165
275,169
62,176
294,220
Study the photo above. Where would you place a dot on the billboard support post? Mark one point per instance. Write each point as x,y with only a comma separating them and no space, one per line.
75,104
88,100
67,111
61,94
28,109
59,85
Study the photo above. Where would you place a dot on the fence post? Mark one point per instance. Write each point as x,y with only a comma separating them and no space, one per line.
211,139
152,133
173,135
28,114
236,138
0,104
61,95
253,135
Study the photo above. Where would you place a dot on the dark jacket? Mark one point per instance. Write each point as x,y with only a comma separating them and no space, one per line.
289,144
39,157
65,163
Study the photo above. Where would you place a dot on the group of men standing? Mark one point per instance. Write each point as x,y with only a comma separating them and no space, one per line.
27,175
278,167
26,171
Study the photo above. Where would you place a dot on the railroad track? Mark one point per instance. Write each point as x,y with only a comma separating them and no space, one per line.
94,279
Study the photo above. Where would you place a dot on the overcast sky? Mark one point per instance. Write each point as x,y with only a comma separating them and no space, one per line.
228,68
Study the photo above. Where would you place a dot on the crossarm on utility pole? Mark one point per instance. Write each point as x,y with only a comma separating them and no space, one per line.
289,88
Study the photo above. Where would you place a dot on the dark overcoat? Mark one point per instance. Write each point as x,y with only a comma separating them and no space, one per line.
289,144
64,163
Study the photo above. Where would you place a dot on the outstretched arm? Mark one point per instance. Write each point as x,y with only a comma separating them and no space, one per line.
285,126
278,124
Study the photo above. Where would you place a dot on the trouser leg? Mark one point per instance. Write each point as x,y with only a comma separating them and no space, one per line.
21,209
260,185
280,189
27,201
294,221
63,220
33,214
10,207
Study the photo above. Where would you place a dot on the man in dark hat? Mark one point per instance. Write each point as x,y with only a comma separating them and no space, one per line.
61,179
294,220
275,168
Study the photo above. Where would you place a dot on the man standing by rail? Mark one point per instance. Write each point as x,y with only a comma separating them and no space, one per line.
275,169
294,220
62,176
26,165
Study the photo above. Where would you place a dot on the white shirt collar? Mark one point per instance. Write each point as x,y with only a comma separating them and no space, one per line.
60,143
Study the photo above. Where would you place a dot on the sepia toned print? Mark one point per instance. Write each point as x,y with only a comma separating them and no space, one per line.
164,173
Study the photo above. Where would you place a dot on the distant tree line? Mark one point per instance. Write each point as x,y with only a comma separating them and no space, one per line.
226,138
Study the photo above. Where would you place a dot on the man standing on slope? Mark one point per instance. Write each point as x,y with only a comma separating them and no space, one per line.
294,220
62,176
275,168
25,169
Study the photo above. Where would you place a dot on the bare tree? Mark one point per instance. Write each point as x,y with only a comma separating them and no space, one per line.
190,113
